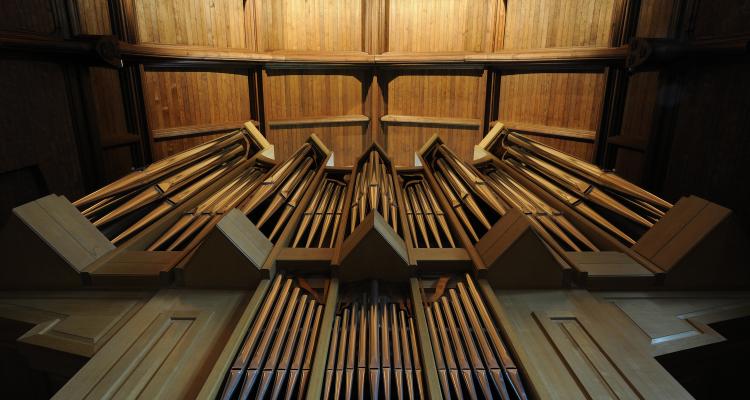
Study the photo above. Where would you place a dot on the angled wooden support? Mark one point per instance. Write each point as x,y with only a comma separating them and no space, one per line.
47,243
514,256
374,251
698,244
241,248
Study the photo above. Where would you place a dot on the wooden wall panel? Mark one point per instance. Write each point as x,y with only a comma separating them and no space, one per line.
442,94
450,25
721,19
558,23
108,102
216,23
554,103
193,101
402,141
39,133
642,94
708,156
30,16
557,105
654,18
93,17
310,25
291,96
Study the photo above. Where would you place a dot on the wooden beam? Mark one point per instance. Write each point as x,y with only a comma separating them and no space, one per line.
393,57
164,52
546,130
89,49
416,120
514,58
180,131
553,56
338,119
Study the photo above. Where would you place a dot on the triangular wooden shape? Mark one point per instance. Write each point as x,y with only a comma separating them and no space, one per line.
514,256
698,244
47,243
231,256
374,251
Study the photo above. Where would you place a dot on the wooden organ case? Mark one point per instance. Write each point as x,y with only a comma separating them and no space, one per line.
222,273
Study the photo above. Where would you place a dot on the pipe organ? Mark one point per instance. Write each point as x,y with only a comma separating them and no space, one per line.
369,282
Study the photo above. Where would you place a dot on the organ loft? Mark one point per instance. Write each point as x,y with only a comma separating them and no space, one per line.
379,199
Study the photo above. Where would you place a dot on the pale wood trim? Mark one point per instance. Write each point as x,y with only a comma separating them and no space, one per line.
560,55
552,55
412,119
325,120
546,130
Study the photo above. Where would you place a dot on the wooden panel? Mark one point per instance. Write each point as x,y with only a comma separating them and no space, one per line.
217,23
441,94
310,25
108,102
654,18
452,25
583,356
558,23
572,345
561,99
557,100
165,351
93,17
721,19
642,94
639,105
303,94
710,144
29,16
38,129
679,321
653,21
72,322
188,98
